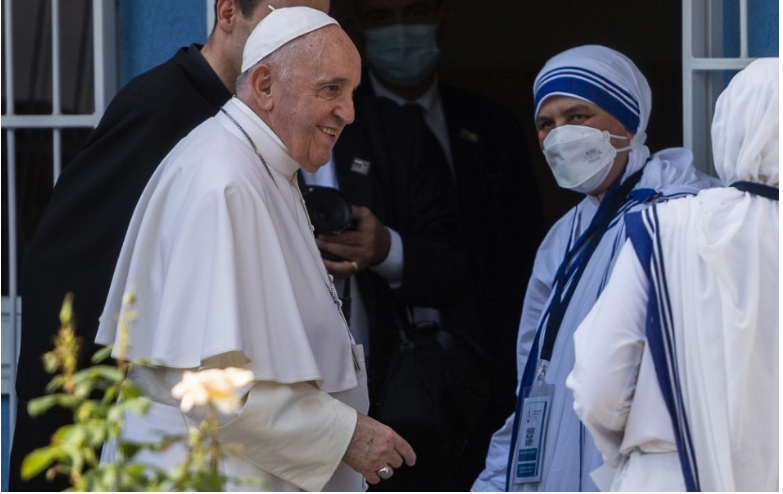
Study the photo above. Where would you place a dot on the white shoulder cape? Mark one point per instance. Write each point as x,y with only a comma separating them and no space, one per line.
224,265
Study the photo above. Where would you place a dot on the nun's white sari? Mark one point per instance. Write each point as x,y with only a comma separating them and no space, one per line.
686,333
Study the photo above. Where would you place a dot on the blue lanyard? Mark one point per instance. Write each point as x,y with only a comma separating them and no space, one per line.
758,189
612,203
615,198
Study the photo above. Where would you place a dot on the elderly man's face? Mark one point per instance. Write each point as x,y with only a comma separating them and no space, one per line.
312,108
556,111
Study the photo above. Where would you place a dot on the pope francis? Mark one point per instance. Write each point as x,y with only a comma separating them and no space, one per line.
221,256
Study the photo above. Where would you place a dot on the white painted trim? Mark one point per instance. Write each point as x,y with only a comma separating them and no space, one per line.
703,67
7,345
51,121
105,56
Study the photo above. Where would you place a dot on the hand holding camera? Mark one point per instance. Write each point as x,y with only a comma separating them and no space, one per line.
350,238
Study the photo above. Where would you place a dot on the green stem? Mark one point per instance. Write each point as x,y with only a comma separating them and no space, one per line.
214,446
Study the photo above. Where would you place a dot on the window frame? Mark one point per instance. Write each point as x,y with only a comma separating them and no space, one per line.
703,69
104,51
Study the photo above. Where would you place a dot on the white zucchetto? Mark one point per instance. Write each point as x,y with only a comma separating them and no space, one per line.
278,28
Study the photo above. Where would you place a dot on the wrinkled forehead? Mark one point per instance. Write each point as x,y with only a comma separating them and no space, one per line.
325,55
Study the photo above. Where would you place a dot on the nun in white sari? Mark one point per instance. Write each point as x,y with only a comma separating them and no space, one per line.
676,373
575,259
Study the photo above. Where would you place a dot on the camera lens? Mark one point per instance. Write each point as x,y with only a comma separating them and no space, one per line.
329,210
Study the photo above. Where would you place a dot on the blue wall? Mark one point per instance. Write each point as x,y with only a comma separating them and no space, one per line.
151,31
763,26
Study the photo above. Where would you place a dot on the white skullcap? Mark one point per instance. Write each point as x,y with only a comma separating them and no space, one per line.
278,28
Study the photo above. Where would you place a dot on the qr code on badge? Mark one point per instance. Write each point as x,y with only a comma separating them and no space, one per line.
529,436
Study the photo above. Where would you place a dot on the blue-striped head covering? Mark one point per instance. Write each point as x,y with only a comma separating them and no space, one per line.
602,76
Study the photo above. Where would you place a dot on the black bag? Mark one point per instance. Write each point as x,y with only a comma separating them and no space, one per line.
435,381
436,395
412,395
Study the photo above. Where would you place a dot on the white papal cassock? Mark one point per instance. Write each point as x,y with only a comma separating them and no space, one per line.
222,260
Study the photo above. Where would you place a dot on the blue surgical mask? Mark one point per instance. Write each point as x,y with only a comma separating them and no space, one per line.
403,54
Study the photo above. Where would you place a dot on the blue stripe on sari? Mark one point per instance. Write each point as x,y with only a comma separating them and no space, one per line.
641,228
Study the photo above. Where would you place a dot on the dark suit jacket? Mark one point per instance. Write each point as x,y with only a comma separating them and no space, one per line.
501,217
79,238
403,185
501,225
407,186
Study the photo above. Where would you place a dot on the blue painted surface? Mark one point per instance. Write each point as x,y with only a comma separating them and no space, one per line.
763,28
5,431
151,31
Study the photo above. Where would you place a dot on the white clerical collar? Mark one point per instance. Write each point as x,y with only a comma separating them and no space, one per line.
274,151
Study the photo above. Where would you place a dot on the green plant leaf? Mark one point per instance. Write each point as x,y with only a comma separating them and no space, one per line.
73,435
85,411
55,384
139,405
75,455
38,461
96,432
38,406
66,401
131,390
73,452
107,372
101,354
82,390
51,362
110,395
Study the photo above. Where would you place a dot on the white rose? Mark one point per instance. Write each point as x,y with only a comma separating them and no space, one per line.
216,386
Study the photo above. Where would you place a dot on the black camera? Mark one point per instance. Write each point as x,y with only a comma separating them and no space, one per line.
330,213
329,210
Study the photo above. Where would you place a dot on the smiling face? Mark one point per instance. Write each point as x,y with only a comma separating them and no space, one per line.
556,111
312,101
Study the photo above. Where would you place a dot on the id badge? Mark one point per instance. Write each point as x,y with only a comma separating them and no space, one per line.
531,436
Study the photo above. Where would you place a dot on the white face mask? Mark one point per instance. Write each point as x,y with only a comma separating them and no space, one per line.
402,54
580,157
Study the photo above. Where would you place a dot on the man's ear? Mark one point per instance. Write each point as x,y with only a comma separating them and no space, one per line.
261,82
226,14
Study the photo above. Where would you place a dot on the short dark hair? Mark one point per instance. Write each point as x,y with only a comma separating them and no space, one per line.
247,7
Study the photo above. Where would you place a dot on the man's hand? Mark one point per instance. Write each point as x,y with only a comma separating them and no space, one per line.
374,446
366,245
